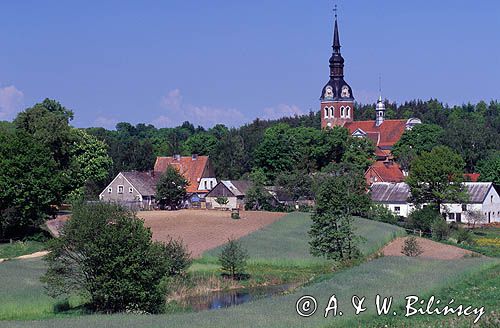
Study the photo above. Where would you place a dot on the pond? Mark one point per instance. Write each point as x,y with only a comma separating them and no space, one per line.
224,299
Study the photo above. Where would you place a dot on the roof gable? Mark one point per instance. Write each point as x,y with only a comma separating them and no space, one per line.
387,171
386,134
192,168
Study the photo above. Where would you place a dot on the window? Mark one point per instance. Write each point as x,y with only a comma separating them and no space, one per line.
464,207
451,216
120,189
342,111
332,111
444,215
397,209
206,185
491,199
130,190
110,190
348,111
459,217
326,112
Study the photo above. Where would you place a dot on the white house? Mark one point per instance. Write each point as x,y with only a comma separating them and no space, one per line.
394,196
483,199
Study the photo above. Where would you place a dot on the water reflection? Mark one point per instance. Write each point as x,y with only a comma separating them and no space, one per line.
224,299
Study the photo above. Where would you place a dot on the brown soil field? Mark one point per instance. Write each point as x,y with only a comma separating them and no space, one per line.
204,229
431,249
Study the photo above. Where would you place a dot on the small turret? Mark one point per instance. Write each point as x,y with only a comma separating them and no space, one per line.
380,112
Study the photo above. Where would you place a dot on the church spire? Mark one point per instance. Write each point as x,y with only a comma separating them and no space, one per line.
336,39
336,61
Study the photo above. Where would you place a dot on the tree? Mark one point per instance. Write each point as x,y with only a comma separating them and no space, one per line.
421,138
201,144
359,152
106,255
90,162
437,177
331,232
29,181
489,168
171,189
411,247
48,123
423,218
297,183
476,217
222,201
233,259
257,197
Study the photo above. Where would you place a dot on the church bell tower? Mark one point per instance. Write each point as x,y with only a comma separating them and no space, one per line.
337,100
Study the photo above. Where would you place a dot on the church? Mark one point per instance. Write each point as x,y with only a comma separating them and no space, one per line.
337,109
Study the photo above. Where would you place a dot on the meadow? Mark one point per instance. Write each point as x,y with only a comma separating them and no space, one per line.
279,250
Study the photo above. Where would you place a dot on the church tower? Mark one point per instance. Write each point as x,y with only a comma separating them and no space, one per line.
337,100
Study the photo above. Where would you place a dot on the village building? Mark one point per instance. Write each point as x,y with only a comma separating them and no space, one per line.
483,200
138,189
234,190
337,109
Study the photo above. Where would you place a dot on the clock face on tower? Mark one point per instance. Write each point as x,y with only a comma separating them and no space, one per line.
345,92
328,92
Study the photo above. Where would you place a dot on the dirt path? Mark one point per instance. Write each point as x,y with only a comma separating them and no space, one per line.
202,229
431,249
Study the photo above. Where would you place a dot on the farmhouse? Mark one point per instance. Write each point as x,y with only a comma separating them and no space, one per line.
337,109
394,196
138,189
234,190
133,189
484,201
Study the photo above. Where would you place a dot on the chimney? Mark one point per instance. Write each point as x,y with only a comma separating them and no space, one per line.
194,157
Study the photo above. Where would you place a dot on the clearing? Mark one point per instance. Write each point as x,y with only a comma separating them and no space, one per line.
430,249
202,230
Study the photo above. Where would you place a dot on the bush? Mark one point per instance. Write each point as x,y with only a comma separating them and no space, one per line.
106,255
464,236
422,219
411,247
233,259
381,213
235,215
440,230
179,257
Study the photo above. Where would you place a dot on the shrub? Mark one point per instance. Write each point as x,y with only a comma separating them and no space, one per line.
440,229
222,201
235,215
179,257
106,255
381,213
233,259
411,247
464,236
422,219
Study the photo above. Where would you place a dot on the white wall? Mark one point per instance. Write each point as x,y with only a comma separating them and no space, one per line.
232,202
210,183
490,208
404,209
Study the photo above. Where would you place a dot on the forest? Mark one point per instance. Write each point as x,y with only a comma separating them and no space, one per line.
45,161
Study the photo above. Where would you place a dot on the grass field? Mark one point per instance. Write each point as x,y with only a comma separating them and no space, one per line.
389,276
19,248
287,239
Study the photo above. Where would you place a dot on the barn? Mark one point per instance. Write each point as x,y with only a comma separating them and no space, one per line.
234,190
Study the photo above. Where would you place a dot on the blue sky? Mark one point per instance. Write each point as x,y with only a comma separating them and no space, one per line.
209,62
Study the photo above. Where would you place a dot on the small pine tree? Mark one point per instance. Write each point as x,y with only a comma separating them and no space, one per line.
222,201
233,259
411,247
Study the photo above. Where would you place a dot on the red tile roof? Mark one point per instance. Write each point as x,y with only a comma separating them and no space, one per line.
386,172
192,169
387,134
472,177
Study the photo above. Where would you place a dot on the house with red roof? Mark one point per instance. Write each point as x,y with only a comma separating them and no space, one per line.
138,189
337,109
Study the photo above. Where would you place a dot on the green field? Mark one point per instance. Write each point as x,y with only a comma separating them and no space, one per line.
19,248
389,276
280,249
287,239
